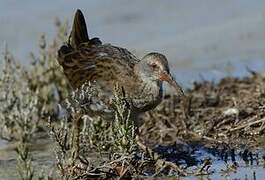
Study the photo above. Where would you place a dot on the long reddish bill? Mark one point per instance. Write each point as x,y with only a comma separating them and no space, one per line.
167,77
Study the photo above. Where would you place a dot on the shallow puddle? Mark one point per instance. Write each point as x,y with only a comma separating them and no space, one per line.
240,164
222,166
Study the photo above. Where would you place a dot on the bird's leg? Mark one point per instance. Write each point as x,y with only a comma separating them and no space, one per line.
142,146
160,163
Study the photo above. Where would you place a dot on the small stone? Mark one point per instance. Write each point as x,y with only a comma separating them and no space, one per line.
231,112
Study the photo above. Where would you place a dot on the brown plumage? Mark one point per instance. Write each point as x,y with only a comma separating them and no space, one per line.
84,59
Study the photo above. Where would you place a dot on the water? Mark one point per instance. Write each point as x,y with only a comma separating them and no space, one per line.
42,153
192,158
207,39
44,159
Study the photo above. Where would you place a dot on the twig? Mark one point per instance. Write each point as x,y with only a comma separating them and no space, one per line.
205,137
247,124
206,164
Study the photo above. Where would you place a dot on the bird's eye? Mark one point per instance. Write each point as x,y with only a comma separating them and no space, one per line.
154,66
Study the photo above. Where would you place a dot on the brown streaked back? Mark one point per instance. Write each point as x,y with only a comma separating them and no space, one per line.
85,59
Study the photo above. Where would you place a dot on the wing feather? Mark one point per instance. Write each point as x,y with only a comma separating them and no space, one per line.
101,62
85,59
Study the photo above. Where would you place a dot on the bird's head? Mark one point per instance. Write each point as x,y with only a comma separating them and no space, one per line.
154,67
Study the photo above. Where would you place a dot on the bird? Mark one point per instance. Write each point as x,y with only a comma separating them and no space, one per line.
88,59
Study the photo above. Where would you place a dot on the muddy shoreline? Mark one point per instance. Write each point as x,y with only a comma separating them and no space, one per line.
230,111
216,132
222,122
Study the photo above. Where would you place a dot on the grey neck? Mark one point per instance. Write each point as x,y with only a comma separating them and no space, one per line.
148,96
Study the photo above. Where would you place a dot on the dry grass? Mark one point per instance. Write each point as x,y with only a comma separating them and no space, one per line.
29,95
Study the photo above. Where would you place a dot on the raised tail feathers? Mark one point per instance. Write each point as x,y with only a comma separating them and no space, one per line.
79,30
74,55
